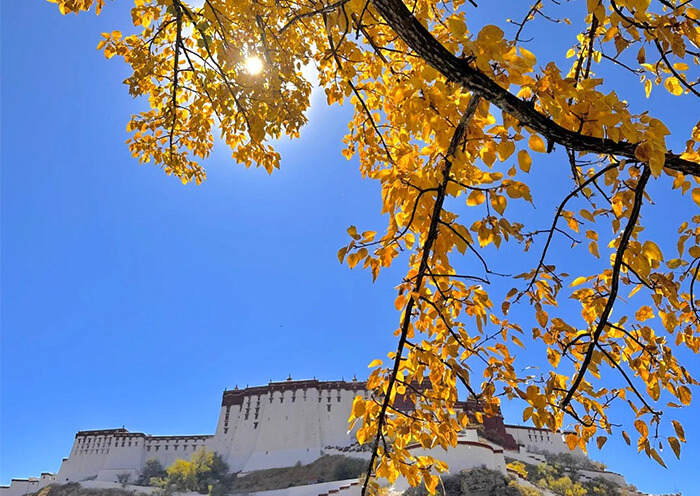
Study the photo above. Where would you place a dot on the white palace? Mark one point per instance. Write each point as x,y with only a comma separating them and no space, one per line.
280,425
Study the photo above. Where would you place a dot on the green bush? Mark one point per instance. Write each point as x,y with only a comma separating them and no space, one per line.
152,469
473,482
349,468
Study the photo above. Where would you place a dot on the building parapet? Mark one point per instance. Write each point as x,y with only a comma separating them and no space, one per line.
236,396
101,432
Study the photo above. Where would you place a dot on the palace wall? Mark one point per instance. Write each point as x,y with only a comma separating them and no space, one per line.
534,439
284,423
277,425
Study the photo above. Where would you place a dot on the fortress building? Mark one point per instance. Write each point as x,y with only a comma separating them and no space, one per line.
278,425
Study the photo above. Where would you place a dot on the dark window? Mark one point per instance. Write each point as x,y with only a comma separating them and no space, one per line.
329,407
225,432
255,425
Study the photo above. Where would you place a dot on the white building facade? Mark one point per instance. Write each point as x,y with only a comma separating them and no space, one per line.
278,425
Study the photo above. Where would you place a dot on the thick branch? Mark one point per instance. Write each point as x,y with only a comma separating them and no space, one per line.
419,39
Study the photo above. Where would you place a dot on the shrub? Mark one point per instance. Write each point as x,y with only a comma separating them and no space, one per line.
153,469
124,478
473,482
349,468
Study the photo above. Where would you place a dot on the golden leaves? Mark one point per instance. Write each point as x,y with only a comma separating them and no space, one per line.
696,196
476,197
679,430
652,153
75,6
683,393
673,86
524,160
498,202
675,446
644,313
536,144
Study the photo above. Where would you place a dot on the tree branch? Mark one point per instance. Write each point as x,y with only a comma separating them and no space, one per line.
457,70
459,133
614,286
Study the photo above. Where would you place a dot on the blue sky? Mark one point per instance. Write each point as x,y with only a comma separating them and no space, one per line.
129,299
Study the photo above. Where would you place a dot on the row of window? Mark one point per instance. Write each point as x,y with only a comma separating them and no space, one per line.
320,397
87,444
102,451
175,446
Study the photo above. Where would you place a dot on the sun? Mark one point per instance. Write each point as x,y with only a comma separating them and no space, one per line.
253,65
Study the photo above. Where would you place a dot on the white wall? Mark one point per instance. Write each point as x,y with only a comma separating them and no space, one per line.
96,451
534,439
279,428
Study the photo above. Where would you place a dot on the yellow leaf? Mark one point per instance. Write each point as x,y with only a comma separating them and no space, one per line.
358,407
641,56
652,251
696,196
642,428
374,363
684,395
431,482
644,313
536,143
528,56
679,430
524,160
498,202
457,27
673,86
476,197
577,281
626,438
571,441
352,231
675,446
657,458
593,248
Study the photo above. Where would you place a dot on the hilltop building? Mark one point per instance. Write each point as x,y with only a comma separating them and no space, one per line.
280,425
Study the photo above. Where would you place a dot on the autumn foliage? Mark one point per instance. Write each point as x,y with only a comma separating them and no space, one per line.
452,123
